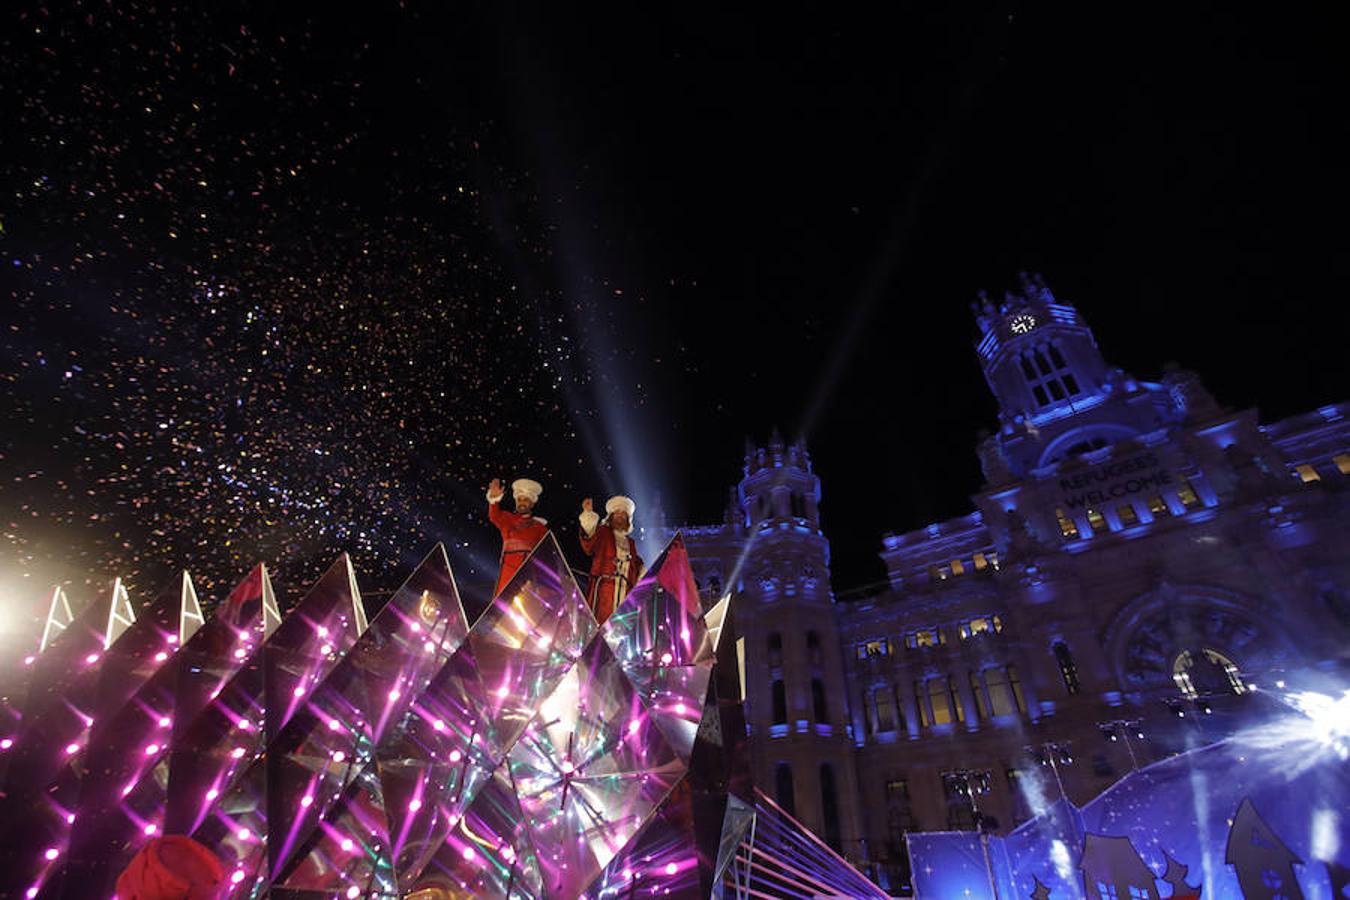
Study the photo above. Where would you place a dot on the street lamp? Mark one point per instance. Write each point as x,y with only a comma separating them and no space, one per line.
970,782
1117,728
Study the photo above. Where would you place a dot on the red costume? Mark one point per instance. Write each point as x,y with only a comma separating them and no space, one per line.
615,567
520,534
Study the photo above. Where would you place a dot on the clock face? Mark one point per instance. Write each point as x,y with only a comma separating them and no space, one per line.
1021,324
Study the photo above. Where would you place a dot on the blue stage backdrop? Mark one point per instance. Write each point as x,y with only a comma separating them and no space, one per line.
1256,816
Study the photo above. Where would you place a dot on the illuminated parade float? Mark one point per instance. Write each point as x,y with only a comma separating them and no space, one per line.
530,753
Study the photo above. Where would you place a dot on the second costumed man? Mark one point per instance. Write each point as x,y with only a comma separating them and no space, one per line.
615,564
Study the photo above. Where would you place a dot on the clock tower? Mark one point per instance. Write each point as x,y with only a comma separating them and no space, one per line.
1042,363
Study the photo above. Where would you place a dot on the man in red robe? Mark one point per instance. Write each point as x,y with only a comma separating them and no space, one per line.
615,564
521,529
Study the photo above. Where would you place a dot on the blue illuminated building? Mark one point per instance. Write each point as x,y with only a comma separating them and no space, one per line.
1142,571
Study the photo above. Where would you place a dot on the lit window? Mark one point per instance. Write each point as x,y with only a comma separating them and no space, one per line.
1229,668
1342,461
1158,506
1181,677
980,562
1000,695
939,695
1186,494
998,623
1107,891
928,638
957,705
1307,473
1096,521
1127,515
885,709
876,647
979,625
1138,893
993,560
912,641
924,719
1067,528
958,568
1067,670
897,792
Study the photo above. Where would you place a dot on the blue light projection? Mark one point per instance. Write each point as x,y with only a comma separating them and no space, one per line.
1265,813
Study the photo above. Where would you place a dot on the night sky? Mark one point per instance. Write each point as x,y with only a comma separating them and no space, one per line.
279,283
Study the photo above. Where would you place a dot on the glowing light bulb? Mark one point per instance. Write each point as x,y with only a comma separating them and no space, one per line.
671,868
334,724
566,767
237,752
456,756
347,845
503,691
307,801
468,853
91,659
679,709
339,756
70,818
151,828
31,893
353,892
28,660
326,649
394,694
245,834
161,656
429,646
240,653
634,725
299,690
52,853
212,794
237,876
151,749
6,743
72,749
165,721
666,659
414,805
322,630
438,724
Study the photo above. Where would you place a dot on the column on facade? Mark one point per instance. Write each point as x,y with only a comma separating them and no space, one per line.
967,700
982,685
904,693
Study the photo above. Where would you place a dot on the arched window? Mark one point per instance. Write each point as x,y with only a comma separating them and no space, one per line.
829,806
775,649
779,702
1067,670
783,789
813,647
818,706
1206,672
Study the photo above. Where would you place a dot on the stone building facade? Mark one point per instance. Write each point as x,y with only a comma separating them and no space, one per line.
1142,571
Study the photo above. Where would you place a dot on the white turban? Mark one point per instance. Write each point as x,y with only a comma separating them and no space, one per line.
524,487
